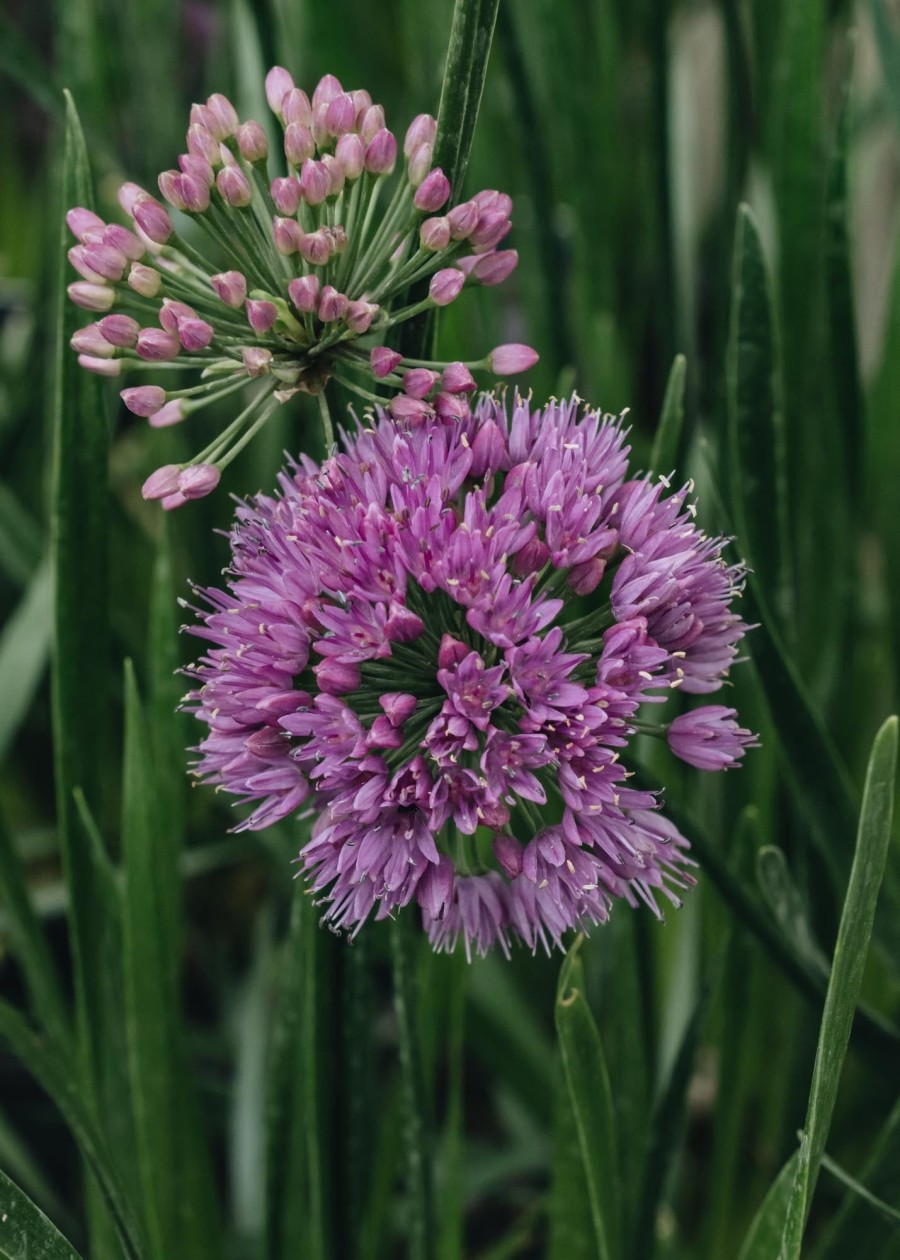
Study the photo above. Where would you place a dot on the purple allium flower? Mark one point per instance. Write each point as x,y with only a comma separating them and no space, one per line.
709,738
321,215
458,721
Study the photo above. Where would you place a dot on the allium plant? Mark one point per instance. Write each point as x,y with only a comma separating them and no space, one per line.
312,247
440,640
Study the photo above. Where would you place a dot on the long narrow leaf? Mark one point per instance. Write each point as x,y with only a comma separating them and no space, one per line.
24,652
764,1234
667,439
25,1232
855,1226
590,1096
850,954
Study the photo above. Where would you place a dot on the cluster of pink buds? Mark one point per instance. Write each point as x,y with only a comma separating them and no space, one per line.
310,258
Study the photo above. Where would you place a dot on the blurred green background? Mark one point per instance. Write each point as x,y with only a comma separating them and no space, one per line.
628,133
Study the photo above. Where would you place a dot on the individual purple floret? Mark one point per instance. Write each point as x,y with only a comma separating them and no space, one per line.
312,247
440,639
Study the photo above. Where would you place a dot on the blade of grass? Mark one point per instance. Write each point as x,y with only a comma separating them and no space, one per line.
884,1210
469,47
21,543
758,476
851,950
855,1228
667,440
590,1096
788,910
24,652
30,945
25,1232
451,1198
887,39
53,1072
419,1167
764,1234
22,1166
570,1227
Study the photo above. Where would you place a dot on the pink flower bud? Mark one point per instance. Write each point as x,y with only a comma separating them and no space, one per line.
351,153
91,297
76,256
450,652
445,286
450,406
383,360
383,735
202,143
278,83
100,367
256,360
128,194
287,234
90,341
422,130
327,89
156,345
493,814
491,200
361,100
304,293
491,229
120,330
253,145
230,287
381,153
335,174
197,167
463,220
299,144
513,358
419,164
402,625
104,261
195,334
493,268
434,234
434,891
332,305
419,382
120,238
508,853
584,578
172,413
286,194
161,483
531,558
457,379
372,122
81,221
153,219
340,115
172,501
201,116
297,109
144,400
193,193
314,181
402,407
261,315
144,280
359,316
433,191
488,449
223,115
198,481
337,678
337,238
234,186
173,313
167,183
399,706
315,247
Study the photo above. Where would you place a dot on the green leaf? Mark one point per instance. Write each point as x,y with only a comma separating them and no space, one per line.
53,1072
764,1234
25,1232
758,478
451,1194
889,1214
873,839
667,440
30,945
21,1164
587,1080
787,906
571,1228
21,543
855,1228
24,652
887,39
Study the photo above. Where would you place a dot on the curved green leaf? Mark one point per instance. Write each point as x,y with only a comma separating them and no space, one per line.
25,1232
667,440
764,1234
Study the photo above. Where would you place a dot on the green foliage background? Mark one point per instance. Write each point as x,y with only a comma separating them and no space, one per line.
191,1068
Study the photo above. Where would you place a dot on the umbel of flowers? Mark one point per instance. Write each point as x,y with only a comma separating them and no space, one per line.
440,640
313,246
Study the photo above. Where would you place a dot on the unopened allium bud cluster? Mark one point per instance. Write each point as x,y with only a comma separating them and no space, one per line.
441,639
314,246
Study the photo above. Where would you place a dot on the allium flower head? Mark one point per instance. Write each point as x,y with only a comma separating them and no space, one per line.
310,249
440,639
